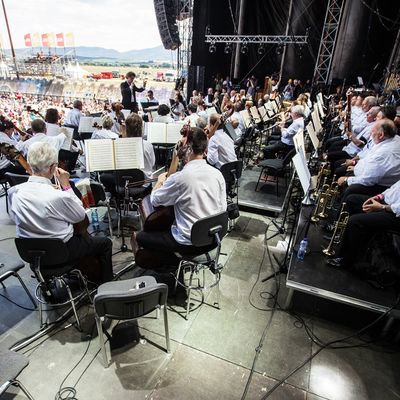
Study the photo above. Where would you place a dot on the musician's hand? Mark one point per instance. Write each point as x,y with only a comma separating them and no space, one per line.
371,205
62,176
348,163
160,180
211,129
342,180
350,168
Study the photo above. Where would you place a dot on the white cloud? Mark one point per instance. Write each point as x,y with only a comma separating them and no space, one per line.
116,24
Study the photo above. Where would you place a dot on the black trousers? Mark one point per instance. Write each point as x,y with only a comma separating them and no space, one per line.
360,229
99,247
334,156
271,150
160,249
361,189
354,203
334,141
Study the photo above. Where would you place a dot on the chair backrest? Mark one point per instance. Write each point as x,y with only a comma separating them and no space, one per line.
131,175
232,171
98,192
204,230
289,157
51,252
15,179
140,302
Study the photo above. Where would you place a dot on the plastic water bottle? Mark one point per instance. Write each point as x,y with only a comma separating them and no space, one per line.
95,219
302,249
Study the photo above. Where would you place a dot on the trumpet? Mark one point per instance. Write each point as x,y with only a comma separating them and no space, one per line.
321,203
340,226
323,172
333,192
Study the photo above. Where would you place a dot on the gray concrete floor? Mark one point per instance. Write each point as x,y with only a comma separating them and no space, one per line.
212,353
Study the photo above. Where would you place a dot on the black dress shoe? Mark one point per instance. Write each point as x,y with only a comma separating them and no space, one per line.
335,262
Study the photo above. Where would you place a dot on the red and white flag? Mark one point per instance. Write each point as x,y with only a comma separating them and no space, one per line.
60,39
28,40
45,40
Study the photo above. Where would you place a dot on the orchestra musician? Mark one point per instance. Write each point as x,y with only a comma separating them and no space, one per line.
163,114
39,210
196,192
74,116
105,130
128,92
178,109
380,214
6,132
285,144
221,148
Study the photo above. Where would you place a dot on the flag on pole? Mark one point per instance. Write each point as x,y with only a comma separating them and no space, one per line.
36,42
28,40
45,39
69,39
60,39
52,39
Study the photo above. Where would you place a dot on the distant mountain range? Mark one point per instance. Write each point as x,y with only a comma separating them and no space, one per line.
83,52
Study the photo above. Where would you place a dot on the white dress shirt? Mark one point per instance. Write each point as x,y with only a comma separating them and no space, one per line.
352,149
41,211
104,134
73,117
288,134
149,158
164,118
4,162
221,149
365,150
196,192
56,141
238,116
392,197
381,165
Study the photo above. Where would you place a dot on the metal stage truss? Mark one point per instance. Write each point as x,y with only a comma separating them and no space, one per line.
328,41
271,39
185,24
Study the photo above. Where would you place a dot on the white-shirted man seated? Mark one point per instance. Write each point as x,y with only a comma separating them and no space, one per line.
221,148
195,192
41,211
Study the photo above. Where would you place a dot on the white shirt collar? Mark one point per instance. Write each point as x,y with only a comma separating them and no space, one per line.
39,179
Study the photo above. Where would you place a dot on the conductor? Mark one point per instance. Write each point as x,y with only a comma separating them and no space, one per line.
128,92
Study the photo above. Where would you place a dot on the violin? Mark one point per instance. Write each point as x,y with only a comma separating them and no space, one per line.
12,154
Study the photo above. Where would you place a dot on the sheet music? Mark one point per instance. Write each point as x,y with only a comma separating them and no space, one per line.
313,136
192,120
274,107
254,113
263,113
246,118
298,140
126,112
69,133
302,171
211,110
173,133
156,132
128,153
99,155
86,125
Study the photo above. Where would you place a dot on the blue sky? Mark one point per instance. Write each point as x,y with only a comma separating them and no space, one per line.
117,24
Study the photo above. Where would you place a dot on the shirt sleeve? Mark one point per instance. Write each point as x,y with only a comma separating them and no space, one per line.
167,194
290,131
69,207
212,152
370,174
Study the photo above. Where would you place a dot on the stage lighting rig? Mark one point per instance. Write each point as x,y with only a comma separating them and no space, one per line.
212,48
244,48
228,48
261,49
279,50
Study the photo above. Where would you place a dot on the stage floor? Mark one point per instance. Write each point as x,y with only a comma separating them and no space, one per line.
265,197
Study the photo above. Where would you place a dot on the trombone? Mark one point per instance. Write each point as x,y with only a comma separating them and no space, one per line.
340,227
321,203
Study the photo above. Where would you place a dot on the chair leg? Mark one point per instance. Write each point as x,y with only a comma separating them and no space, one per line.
189,291
85,284
109,220
78,322
217,303
101,339
26,289
17,383
177,275
259,178
40,314
168,342
277,186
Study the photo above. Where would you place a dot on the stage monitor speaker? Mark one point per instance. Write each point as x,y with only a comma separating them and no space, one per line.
166,14
196,79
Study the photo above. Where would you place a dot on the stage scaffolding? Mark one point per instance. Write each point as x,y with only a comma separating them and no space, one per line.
185,24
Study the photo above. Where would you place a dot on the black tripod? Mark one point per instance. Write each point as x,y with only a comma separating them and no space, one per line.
283,266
